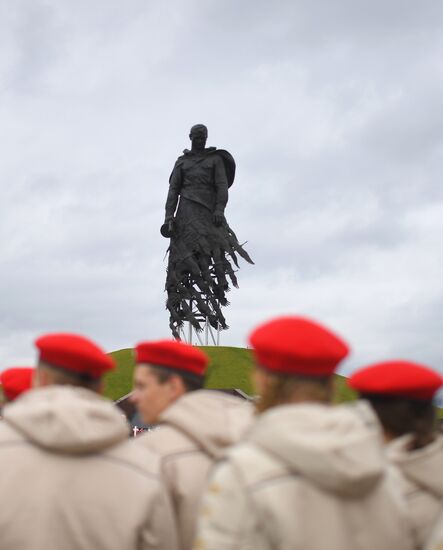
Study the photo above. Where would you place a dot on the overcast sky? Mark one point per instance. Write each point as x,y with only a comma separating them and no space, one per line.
333,110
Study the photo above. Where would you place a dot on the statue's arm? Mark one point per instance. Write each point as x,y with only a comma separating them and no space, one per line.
221,187
173,193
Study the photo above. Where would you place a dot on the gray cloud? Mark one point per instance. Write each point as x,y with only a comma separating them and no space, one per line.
331,110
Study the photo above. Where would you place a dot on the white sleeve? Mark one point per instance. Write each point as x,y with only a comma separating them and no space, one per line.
160,530
436,538
226,518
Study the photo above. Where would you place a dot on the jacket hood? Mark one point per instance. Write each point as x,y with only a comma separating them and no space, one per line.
338,448
65,419
214,420
423,467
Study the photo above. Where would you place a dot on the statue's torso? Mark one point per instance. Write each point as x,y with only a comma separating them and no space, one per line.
198,170
197,179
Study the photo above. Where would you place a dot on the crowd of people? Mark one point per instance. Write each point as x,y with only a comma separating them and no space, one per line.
290,471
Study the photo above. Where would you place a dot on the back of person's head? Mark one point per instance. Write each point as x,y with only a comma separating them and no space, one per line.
15,381
295,359
165,370
71,359
401,393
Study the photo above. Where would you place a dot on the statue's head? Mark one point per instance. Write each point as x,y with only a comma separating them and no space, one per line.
198,135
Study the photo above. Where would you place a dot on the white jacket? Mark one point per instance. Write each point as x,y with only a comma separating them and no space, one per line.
72,480
309,476
421,483
435,540
193,432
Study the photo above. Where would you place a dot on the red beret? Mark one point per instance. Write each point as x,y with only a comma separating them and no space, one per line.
172,354
15,381
295,345
74,353
397,378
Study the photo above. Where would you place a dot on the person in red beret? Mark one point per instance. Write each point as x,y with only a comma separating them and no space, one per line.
401,393
15,381
194,425
71,476
308,475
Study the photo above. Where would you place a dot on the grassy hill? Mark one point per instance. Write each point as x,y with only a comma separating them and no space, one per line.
229,368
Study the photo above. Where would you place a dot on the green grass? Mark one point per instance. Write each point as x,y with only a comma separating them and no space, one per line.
119,382
229,368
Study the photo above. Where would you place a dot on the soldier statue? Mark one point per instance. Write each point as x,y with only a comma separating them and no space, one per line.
203,248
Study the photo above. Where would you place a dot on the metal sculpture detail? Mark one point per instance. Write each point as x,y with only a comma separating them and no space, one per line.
203,250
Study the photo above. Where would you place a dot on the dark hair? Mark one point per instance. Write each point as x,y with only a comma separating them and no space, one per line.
192,382
400,416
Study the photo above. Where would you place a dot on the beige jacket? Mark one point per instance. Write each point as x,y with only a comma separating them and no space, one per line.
193,432
421,483
72,480
435,541
309,477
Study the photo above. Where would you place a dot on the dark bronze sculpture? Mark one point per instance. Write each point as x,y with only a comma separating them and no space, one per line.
203,248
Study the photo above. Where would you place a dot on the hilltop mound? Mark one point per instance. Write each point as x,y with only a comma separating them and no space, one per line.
229,368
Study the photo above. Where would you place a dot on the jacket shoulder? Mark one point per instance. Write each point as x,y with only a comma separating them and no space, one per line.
137,458
8,435
255,466
167,441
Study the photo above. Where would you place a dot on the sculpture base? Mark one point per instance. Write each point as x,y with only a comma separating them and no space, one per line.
206,337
